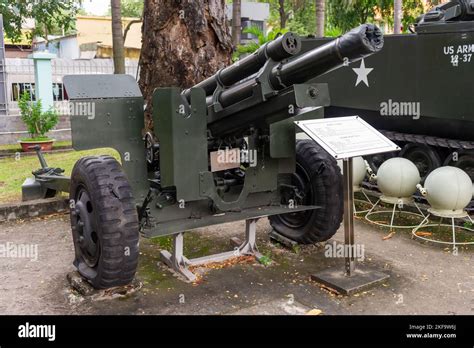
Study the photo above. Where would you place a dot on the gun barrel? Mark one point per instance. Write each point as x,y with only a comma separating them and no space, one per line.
283,47
352,46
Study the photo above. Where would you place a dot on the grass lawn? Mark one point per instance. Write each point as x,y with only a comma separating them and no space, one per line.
13,172
17,147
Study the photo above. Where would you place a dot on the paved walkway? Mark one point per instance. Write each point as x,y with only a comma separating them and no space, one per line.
425,279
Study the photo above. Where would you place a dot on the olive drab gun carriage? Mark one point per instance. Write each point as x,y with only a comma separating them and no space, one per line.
226,151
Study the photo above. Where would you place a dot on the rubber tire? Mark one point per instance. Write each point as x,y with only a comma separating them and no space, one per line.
327,187
464,157
115,215
374,160
429,152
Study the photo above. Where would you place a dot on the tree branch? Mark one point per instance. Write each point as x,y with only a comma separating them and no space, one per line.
129,25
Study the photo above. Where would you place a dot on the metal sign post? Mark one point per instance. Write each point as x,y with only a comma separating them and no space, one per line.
349,216
345,138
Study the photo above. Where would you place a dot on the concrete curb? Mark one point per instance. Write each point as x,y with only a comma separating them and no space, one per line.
30,209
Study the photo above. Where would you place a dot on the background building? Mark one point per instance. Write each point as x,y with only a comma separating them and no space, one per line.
92,39
252,14
86,51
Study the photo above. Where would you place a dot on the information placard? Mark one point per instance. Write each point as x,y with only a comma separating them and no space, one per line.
347,137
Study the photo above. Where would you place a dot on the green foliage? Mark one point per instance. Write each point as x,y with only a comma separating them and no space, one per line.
411,10
301,15
342,15
49,16
130,8
37,122
333,32
347,14
261,37
302,20
468,224
265,260
82,12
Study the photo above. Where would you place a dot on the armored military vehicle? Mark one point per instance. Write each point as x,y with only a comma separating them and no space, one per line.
418,90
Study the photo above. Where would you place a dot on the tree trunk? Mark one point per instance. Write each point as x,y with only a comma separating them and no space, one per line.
184,42
283,14
236,22
320,17
117,37
398,14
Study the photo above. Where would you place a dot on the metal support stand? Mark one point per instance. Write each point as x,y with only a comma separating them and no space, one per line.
180,263
352,279
396,202
425,223
47,181
349,215
367,201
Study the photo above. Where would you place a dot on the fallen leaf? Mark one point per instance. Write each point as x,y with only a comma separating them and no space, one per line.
388,236
424,234
314,312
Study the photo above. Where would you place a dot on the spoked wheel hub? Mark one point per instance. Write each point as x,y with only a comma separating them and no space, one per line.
88,239
300,180
423,156
465,162
318,182
422,163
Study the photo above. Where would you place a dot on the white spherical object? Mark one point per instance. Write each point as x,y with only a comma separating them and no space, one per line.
358,170
448,188
398,177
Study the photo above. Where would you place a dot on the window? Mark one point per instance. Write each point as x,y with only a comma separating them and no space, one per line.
58,92
19,88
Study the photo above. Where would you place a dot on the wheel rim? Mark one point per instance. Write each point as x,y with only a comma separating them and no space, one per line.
149,148
376,161
466,163
87,237
301,180
422,161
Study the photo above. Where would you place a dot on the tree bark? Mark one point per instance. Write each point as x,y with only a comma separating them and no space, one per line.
117,37
236,22
320,17
184,42
398,14
283,14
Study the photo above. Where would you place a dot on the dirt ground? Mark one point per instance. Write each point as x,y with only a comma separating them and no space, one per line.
424,278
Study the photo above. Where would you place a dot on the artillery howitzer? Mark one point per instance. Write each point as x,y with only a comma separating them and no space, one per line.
227,151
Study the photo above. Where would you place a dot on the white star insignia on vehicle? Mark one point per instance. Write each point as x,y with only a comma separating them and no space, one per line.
362,73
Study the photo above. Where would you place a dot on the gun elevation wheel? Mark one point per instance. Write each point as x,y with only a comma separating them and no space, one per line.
319,178
104,222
